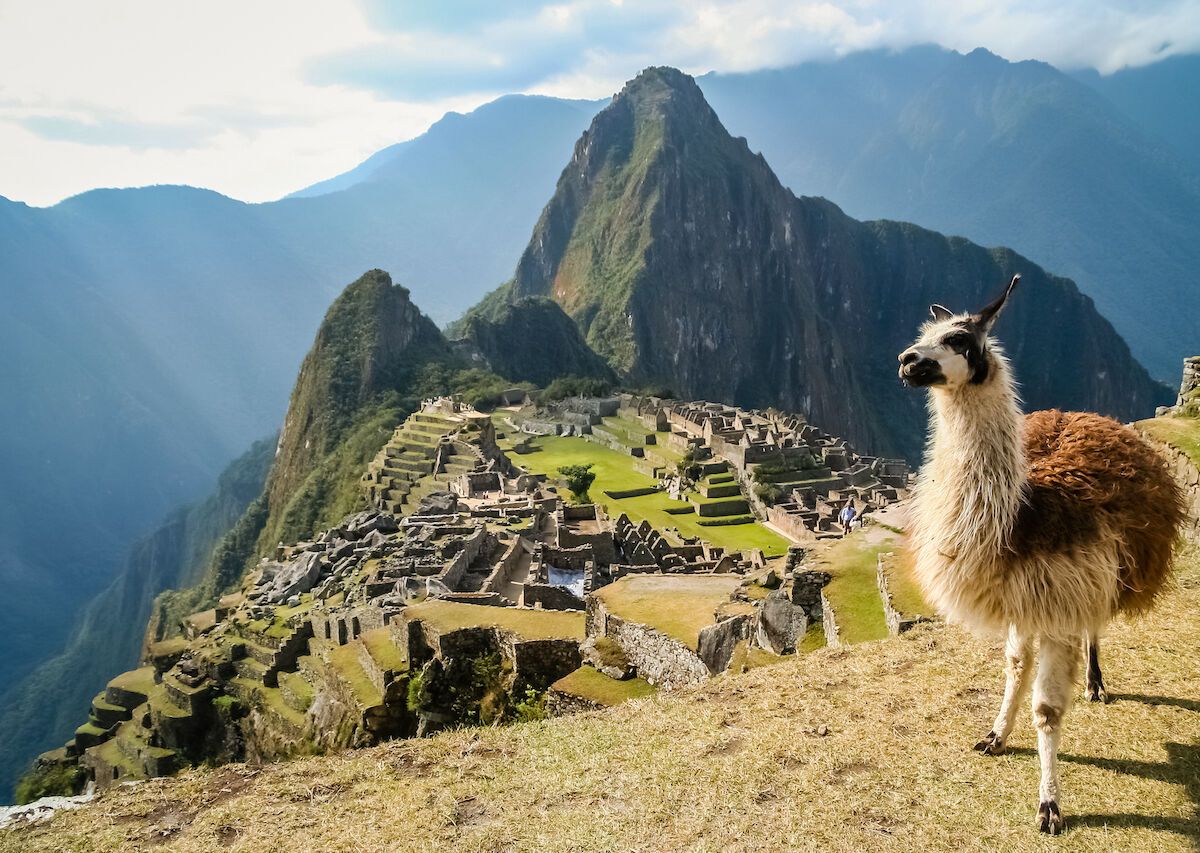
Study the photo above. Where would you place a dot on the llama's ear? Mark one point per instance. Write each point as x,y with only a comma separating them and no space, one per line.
987,316
940,312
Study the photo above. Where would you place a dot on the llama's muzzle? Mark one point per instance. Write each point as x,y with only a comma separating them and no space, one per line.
919,371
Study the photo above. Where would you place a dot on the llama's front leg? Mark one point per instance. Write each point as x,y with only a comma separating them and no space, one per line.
1018,653
1058,667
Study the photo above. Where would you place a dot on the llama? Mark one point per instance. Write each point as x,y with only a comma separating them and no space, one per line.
1031,527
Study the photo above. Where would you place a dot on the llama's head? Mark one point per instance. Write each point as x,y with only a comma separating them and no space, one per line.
954,349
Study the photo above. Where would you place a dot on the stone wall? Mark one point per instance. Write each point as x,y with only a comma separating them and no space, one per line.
539,663
661,660
502,574
551,597
829,623
1188,478
897,622
452,575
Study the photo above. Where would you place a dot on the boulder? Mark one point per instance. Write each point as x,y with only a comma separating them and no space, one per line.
780,624
296,577
361,524
609,660
438,503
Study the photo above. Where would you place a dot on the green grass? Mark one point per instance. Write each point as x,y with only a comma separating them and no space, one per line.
102,704
90,729
853,592
814,638
344,660
299,686
384,651
273,700
593,685
1179,432
678,605
528,624
110,752
906,595
136,680
161,702
614,472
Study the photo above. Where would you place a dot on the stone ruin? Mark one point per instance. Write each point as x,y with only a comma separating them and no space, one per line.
321,648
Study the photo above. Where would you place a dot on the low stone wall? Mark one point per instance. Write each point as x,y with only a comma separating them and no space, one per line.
1188,478
829,623
560,703
539,663
661,660
551,597
452,575
502,574
897,622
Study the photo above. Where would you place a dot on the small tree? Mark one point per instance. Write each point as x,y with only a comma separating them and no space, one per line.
768,493
579,479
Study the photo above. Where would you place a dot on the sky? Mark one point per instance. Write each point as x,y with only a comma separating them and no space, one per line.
257,98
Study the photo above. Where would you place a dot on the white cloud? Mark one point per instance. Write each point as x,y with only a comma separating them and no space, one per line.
257,99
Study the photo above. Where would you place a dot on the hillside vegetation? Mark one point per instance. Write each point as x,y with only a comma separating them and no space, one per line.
848,749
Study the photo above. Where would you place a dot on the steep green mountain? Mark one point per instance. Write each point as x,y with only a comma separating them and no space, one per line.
550,343
685,262
349,396
1004,153
42,708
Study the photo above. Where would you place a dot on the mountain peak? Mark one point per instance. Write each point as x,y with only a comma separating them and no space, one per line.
658,78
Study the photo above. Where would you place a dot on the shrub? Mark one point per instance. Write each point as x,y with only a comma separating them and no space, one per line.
768,493
579,479
531,708
56,780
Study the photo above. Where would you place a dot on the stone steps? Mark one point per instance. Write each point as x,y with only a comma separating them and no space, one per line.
106,713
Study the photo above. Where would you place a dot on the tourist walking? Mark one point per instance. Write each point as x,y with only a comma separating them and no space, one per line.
847,517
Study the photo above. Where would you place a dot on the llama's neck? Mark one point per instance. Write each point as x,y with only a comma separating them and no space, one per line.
975,471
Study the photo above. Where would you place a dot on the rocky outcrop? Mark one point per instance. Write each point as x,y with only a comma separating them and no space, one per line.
779,624
551,343
686,263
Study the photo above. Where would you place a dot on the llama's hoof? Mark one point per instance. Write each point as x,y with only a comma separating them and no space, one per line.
992,744
1097,693
1049,818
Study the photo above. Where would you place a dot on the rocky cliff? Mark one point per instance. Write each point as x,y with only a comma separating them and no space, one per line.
685,262
530,340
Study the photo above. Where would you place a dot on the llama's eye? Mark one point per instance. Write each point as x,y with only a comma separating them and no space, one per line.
960,340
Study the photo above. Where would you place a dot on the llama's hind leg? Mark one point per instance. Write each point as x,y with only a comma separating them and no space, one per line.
1018,655
1058,667
1095,680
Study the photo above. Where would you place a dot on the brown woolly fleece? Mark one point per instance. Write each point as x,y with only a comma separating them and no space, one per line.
1087,473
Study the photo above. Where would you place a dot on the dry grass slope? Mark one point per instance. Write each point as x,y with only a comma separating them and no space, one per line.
736,764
